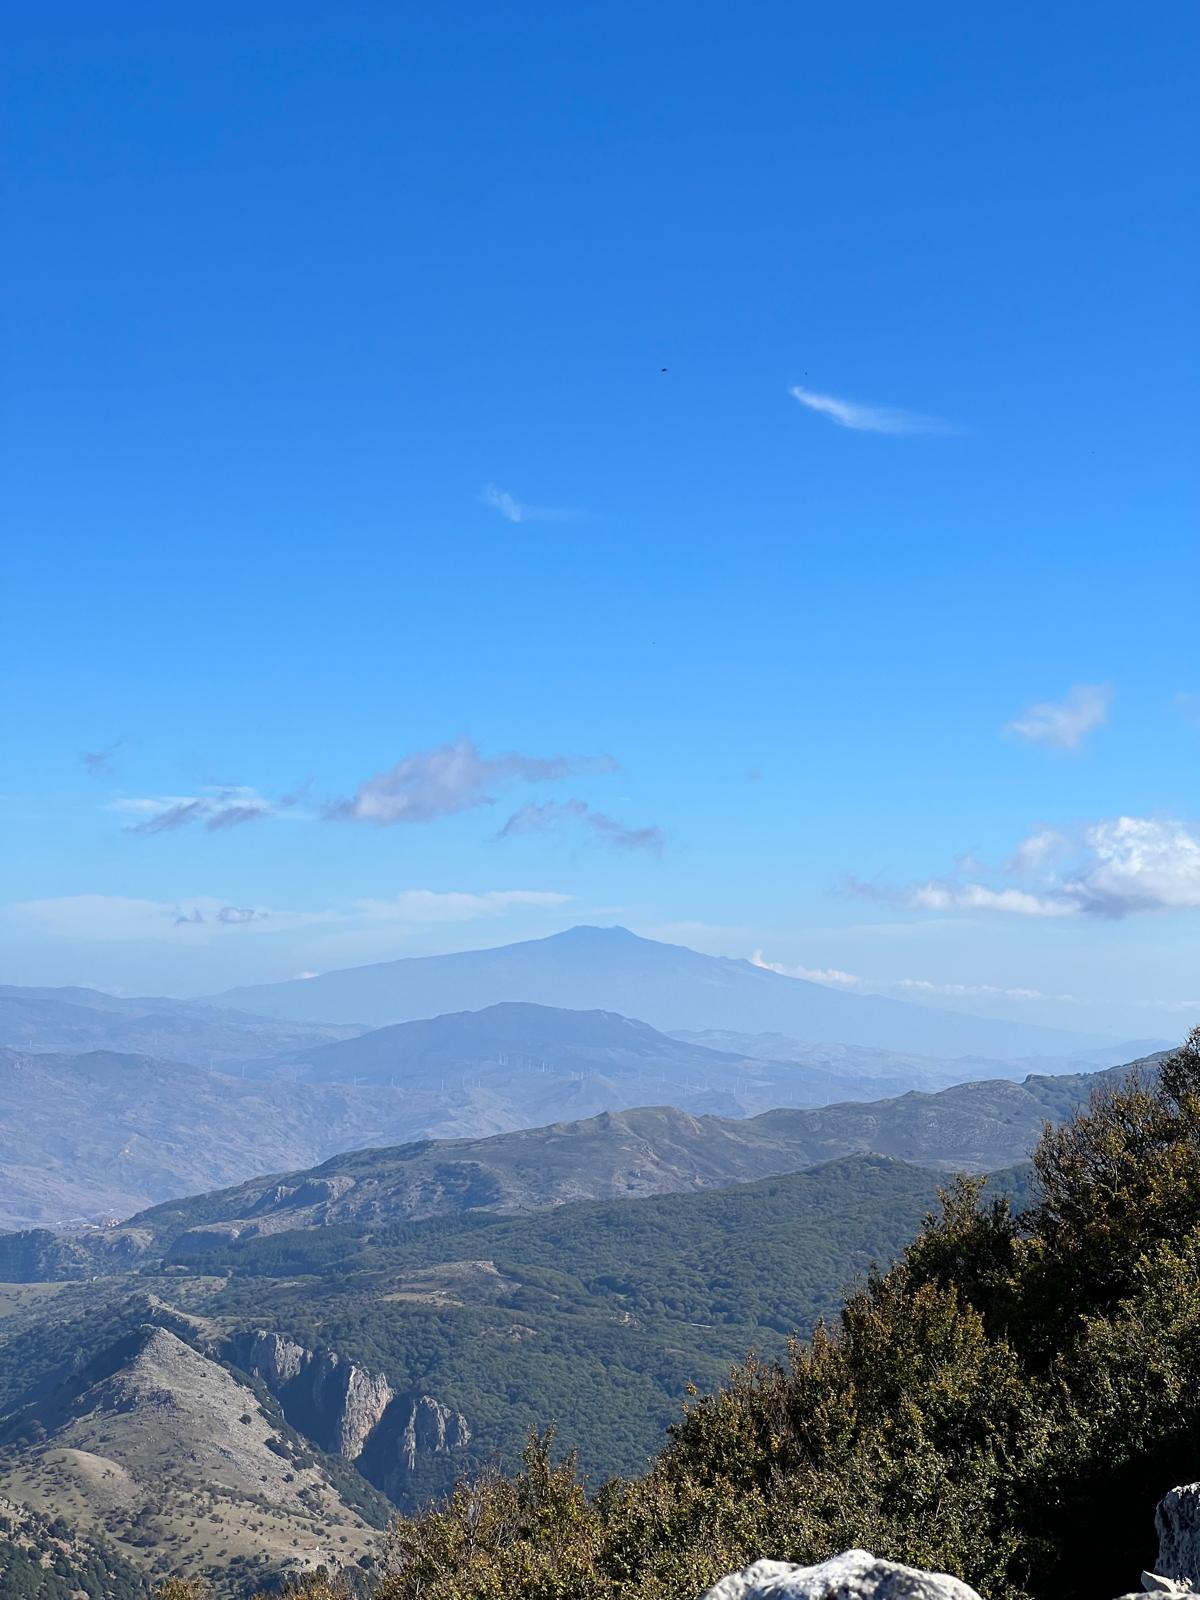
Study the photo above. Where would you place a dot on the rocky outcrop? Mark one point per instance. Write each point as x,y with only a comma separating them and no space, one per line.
357,1401
272,1357
417,1433
350,1411
1154,1584
431,1428
854,1575
337,1403
1178,1524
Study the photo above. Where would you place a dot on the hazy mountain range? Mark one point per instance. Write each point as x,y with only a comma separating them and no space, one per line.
86,1137
973,1127
73,1020
667,986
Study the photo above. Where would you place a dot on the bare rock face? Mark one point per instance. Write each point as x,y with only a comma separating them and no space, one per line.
854,1575
338,1403
351,1411
362,1397
431,1428
274,1358
1153,1583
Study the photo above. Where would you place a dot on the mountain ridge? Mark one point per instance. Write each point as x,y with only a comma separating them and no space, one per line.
977,1127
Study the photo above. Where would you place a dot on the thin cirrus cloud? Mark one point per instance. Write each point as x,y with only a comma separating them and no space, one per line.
514,510
553,814
428,784
1064,724
1115,868
862,418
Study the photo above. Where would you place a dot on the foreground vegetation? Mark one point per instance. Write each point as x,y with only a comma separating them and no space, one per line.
1007,1403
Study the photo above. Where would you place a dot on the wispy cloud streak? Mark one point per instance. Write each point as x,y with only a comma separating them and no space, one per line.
217,809
552,814
100,762
862,418
1064,724
514,510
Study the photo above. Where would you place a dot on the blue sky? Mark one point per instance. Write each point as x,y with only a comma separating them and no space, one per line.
349,493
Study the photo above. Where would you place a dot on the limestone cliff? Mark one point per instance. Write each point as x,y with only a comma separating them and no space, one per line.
349,1410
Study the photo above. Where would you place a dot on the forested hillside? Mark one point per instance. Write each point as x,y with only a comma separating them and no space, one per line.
1006,1403
595,1316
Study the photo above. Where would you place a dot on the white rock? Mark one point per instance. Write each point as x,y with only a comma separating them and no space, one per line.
1156,1583
854,1575
1178,1523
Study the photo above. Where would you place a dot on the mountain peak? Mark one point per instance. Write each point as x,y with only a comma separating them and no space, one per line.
668,986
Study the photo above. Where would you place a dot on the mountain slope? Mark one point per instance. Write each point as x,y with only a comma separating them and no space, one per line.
667,986
514,1034
595,1316
154,1444
975,1127
100,1135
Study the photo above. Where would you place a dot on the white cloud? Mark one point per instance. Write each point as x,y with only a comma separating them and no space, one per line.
109,918
974,990
978,897
1138,864
1034,853
869,418
827,975
553,814
1064,724
514,510
836,978
1116,868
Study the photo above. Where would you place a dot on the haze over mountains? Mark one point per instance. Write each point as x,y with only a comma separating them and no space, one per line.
973,1127
71,1020
109,1104
668,986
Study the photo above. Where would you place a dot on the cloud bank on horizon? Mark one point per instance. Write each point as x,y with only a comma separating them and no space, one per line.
120,918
